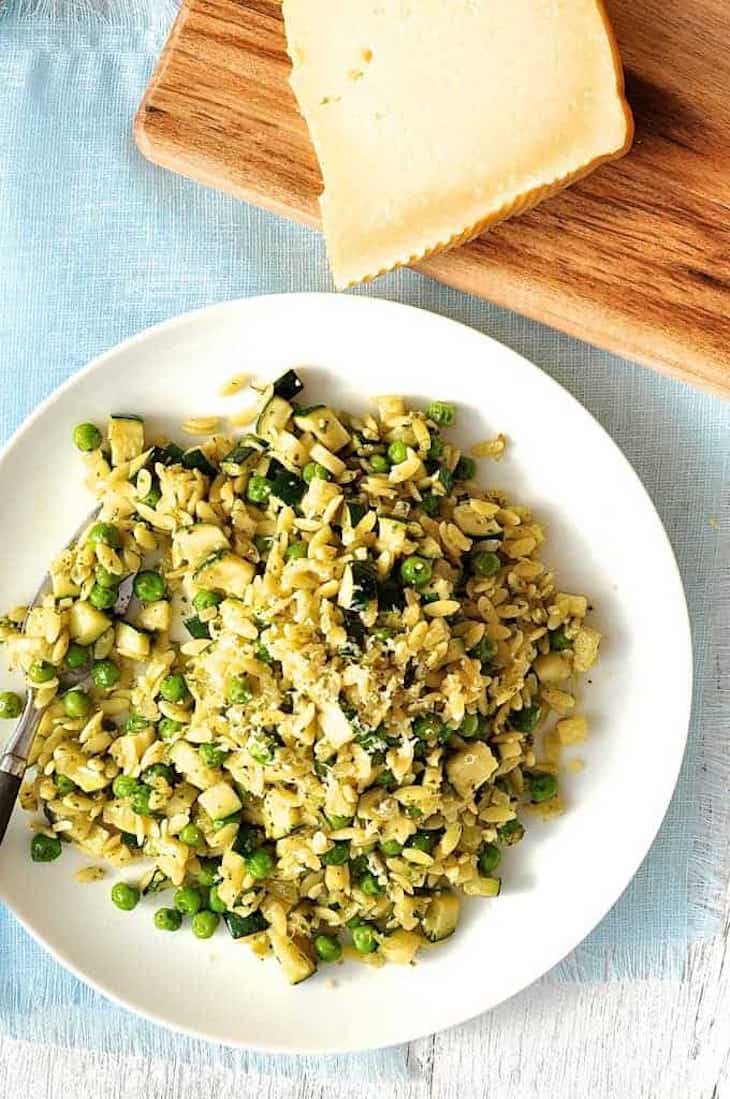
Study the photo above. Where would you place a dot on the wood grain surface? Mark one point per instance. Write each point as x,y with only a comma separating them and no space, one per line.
635,259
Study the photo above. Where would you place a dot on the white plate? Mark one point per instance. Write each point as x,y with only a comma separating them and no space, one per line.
604,539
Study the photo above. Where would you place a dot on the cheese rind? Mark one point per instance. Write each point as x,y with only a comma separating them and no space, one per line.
435,119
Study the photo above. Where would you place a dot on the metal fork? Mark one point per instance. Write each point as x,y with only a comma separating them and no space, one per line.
14,760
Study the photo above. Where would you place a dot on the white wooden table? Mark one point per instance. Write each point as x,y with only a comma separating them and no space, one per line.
646,1040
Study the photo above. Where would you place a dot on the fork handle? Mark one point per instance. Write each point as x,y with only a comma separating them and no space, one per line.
9,786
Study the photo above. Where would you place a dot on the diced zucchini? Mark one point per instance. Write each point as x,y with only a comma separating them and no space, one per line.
219,801
288,385
226,572
401,946
131,642
201,540
470,768
156,883
126,437
355,512
188,763
288,488
155,616
168,455
442,917
292,449
63,586
195,458
198,630
240,927
247,448
391,534
273,418
335,725
483,887
324,425
294,957
280,816
86,623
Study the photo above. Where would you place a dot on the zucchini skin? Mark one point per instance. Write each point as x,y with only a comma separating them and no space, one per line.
288,385
241,926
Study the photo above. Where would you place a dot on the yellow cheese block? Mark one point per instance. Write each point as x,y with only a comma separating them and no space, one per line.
435,119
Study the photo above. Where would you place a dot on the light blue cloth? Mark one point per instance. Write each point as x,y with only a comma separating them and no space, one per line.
96,244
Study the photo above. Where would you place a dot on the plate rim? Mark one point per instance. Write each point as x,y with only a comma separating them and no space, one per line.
98,363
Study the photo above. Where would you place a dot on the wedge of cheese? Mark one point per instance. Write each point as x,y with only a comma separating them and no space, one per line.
435,119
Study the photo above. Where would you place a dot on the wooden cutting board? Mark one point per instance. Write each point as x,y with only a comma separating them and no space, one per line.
635,259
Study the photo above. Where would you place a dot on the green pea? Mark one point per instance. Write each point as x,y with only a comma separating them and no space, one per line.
87,437
41,672
386,779
558,641
337,855
413,812
149,587
174,688
44,848
489,859
543,786
465,469
204,599
211,755
105,578
313,471
469,726
153,497
124,786
338,821
391,848
415,572
77,704
105,674
125,896
441,413
423,841
168,728
260,864
191,835
135,723
102,598
77,657
379,463
168,919
259,489
328,948
485,651
526,719
187,900
139,800
106,533
238,691
215,904
159,770
397,452
511,832
295,551
485,563
64,785
363,939
429,725
205,924
370,886
208,873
